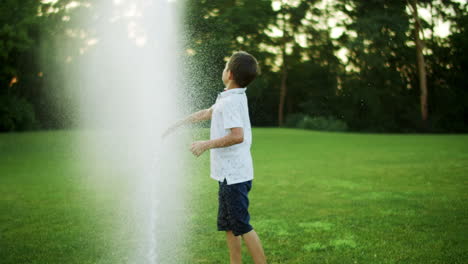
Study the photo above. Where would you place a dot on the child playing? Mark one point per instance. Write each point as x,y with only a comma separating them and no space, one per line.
230,159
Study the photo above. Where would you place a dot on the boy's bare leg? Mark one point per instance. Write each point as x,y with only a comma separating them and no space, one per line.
255,247
234,244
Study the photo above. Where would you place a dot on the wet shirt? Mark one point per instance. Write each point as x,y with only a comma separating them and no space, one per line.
233,163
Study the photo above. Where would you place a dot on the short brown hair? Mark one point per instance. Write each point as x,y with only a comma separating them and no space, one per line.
244,68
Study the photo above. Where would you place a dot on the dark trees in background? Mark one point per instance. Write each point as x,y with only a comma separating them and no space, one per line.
302,75
19,82
377,93
27,31
388,62
289,21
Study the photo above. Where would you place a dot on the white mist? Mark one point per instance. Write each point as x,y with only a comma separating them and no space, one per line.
127,87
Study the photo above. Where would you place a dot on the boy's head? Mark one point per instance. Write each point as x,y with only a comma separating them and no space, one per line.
242,68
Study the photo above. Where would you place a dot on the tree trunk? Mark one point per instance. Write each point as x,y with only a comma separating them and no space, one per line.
284,72
421,62
283,91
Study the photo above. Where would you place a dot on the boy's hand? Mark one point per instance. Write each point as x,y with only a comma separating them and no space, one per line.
198,147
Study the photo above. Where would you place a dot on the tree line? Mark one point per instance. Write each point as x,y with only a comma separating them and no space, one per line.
371,66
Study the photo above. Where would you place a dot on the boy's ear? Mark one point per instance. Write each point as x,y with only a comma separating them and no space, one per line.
230,75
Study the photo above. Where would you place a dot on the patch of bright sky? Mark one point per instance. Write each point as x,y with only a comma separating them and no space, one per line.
441,28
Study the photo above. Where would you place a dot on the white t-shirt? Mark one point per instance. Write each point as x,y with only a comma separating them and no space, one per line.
233,163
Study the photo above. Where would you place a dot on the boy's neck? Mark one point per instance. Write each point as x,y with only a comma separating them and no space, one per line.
232,85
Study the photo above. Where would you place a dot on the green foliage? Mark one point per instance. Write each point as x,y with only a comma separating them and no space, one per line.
27,53
293,120
449,98
376,89
322,123
211,29
316,123
16,114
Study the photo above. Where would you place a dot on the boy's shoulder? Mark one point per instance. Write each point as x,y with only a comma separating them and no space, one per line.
234,103
231,100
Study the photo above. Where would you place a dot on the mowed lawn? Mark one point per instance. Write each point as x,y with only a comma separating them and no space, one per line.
317,197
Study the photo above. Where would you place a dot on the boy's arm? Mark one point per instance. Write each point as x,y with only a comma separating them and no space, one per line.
201,115
235,137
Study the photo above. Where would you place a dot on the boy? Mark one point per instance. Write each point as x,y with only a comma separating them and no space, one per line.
231,161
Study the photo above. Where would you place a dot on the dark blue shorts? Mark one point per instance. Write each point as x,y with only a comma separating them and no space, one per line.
233,214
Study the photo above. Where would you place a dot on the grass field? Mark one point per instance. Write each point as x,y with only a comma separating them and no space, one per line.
317,198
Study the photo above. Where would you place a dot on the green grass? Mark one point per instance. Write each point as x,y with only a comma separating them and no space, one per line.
317,198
